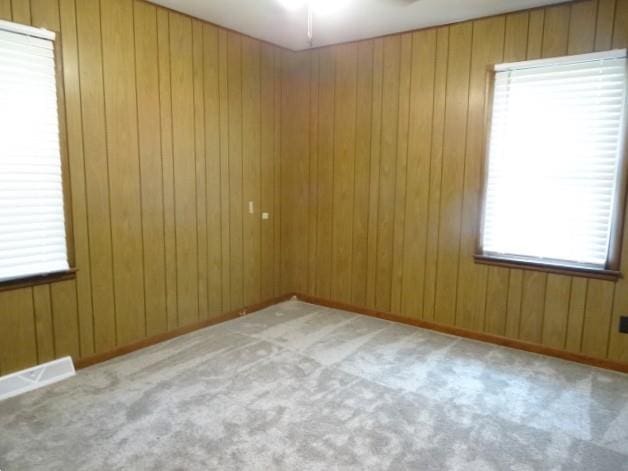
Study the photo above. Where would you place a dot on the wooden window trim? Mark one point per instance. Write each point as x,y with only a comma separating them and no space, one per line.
65,161
34,280
612,269
556,268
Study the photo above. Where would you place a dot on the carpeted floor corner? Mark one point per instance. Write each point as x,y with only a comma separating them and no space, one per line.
301,387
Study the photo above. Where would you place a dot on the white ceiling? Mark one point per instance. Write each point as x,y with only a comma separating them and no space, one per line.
351,20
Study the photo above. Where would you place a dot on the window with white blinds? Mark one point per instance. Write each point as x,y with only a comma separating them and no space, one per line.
555,154
32,226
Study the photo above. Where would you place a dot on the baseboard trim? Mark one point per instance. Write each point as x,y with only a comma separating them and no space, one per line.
470,334
446,329
155,339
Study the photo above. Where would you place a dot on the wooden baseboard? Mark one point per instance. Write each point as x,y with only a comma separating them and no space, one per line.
446,329
470,334
155,339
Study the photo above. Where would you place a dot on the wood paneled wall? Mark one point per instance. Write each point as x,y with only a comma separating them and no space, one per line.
381,169
171,126
372,178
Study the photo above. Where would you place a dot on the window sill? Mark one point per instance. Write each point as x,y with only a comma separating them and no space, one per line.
38,280
600,274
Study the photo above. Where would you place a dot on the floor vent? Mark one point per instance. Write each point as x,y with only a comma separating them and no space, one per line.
36,377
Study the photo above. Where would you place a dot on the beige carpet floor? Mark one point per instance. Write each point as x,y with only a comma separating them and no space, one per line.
300,387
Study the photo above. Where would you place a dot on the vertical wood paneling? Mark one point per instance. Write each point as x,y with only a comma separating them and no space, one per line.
65,319
556,311
436,170
532,306
96,173
415,209
5,10
267,172
597,317
295,96
147,76
224,170
18,348
376,148
387,171
21,10
212,168
346,59
575,321
124,178
277,172
418,170
606,12
367,156
199,152
162,127
401,183
251,181
44,331
620,26
312,187
325,172
496,301
234,78
456,105
515,291
167,165
182,76
582,27
361,183
45,14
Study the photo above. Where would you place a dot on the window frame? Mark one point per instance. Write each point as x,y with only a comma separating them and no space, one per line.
70,273
611,271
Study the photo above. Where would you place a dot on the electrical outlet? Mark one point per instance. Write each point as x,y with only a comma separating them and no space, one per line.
623,324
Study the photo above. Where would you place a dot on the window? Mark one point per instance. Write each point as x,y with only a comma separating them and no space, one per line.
555,180
32,223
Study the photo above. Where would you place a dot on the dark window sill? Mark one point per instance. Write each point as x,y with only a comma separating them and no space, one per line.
38,280
584,272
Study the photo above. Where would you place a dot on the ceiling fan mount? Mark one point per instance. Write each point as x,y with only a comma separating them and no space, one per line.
313,6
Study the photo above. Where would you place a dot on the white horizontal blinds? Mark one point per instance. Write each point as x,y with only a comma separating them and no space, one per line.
554,151
32,227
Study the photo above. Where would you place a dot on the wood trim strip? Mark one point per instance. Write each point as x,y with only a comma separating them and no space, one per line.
619,206
63,148
488,120
451,330
584,272
155,339
35,280
473,335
